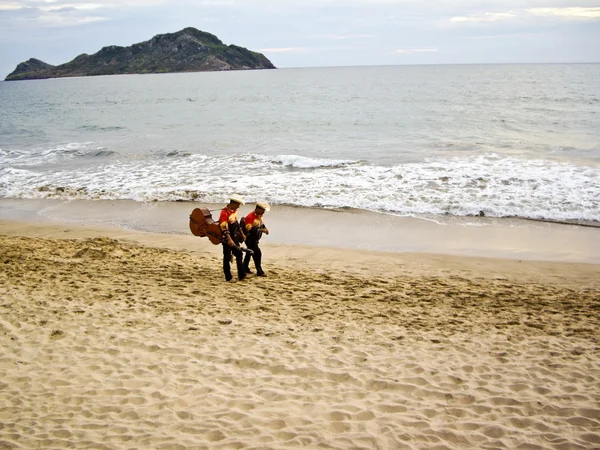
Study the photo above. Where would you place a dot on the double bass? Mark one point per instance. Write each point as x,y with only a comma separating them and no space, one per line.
203,225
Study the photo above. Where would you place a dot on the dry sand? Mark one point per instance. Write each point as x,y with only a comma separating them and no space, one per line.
116,340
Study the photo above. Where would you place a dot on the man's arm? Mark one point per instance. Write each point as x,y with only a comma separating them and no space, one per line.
224,224
248,221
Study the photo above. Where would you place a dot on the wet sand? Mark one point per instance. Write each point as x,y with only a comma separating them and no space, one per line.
117,339
350,229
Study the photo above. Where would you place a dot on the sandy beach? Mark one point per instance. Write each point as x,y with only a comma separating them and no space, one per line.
115,339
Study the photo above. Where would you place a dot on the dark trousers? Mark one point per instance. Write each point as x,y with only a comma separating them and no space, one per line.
252,244
227,252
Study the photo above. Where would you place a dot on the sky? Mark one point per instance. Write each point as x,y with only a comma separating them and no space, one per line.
314,33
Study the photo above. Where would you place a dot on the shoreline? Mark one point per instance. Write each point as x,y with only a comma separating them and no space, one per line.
518,239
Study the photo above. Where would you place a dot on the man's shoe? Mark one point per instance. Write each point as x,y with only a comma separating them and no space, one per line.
262,274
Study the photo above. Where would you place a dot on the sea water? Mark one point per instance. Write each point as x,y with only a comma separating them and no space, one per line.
424,141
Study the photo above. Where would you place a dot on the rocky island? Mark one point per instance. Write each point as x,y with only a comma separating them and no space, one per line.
188,50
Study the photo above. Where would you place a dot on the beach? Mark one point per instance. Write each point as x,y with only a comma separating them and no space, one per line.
433,263
121,339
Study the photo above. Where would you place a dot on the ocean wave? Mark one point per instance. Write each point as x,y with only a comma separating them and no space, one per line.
492,185
100,153
100,128
177,154
53,154
303,162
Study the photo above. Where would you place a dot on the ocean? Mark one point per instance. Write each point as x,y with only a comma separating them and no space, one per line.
500,141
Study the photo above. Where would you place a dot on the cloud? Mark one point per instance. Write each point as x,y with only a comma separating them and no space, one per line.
10,6
68,21
341,37
71,6
282,50
485,17
558,12
31,14
56,5
102,3
418,50
500,36
576,12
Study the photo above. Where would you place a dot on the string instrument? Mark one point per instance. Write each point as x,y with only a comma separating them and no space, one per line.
203,225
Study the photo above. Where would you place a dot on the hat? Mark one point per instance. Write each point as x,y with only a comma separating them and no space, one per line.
264,205
236,198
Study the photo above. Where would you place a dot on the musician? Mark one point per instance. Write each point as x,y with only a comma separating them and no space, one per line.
233,236
254,228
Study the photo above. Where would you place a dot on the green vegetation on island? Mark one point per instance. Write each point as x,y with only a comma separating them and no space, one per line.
188,50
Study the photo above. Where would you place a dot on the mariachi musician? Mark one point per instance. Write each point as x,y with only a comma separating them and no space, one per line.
254,228
233,236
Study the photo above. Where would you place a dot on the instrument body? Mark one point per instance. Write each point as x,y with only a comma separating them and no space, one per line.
203,225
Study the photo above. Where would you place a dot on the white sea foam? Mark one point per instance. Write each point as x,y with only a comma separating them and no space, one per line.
302,162
51,155
490,184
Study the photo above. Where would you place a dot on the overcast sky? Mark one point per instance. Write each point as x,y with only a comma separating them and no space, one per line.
309,33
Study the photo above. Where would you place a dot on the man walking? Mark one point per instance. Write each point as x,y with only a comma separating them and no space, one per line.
233,236
254,228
